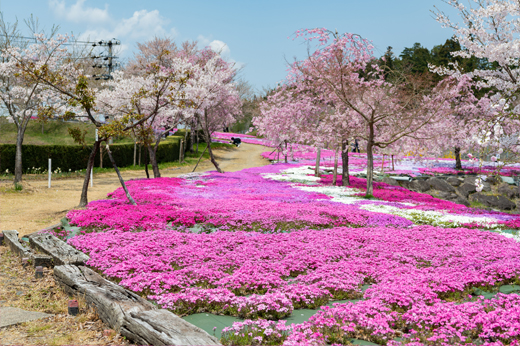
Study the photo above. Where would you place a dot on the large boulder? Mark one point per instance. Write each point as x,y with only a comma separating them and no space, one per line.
470,179
450,196
493,180
390,181
453,181
461,200
499,202
423,185
410,185
508,190
440,185
466,189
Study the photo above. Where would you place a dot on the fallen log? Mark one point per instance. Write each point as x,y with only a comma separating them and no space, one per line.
111,301
61,252
11,240
126,312
161,327
16,247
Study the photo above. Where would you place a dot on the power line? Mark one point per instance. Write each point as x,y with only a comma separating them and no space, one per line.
108,57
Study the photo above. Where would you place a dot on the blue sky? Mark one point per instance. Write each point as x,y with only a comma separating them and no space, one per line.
252,33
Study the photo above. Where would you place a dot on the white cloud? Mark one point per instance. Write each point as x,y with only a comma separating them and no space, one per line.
220,48
100,25
77,13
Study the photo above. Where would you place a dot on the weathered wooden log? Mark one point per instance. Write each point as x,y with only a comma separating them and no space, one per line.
44,230
16,247
61,252
111,301
161,327
11,240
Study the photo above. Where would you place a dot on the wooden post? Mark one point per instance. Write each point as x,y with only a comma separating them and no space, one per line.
101,157
181,158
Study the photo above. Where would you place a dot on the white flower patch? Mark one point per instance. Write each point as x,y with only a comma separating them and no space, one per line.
434,218
339,194
345,195
512,236
296,174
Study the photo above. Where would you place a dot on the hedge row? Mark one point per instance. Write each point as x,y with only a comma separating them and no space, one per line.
75,157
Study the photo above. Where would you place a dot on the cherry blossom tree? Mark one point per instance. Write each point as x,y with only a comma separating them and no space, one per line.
216,102
341,67
490,30
131,102
22,98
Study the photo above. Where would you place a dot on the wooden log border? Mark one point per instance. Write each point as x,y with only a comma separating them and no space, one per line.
122,310
14,244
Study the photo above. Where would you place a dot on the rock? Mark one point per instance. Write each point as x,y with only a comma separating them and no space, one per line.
499,202
440,185
10,316
453,181
390,181
422,185
466,189
462,200
492,180
508,191
471,180
410,185
447,195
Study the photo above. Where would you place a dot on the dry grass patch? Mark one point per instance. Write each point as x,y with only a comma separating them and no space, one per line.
19,288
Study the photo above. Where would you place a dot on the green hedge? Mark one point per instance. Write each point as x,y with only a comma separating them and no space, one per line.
75,157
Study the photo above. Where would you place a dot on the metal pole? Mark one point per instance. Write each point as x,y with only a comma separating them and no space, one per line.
50,171
91,177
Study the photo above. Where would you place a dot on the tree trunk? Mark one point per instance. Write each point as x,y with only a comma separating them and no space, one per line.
200,158
318,157
370,162
18,168
146,162
393,167
191,138
42,127
153,161
335,174
207,136
83,201
130,199
286,152
197,134
140,147
212,158
383,164
458,163
181,151
345,177
135,151
100,156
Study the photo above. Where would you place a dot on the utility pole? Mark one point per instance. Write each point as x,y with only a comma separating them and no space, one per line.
108,57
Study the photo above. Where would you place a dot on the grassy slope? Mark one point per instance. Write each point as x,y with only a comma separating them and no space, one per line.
54,133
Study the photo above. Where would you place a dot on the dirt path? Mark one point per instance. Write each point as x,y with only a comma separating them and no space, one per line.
38,206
